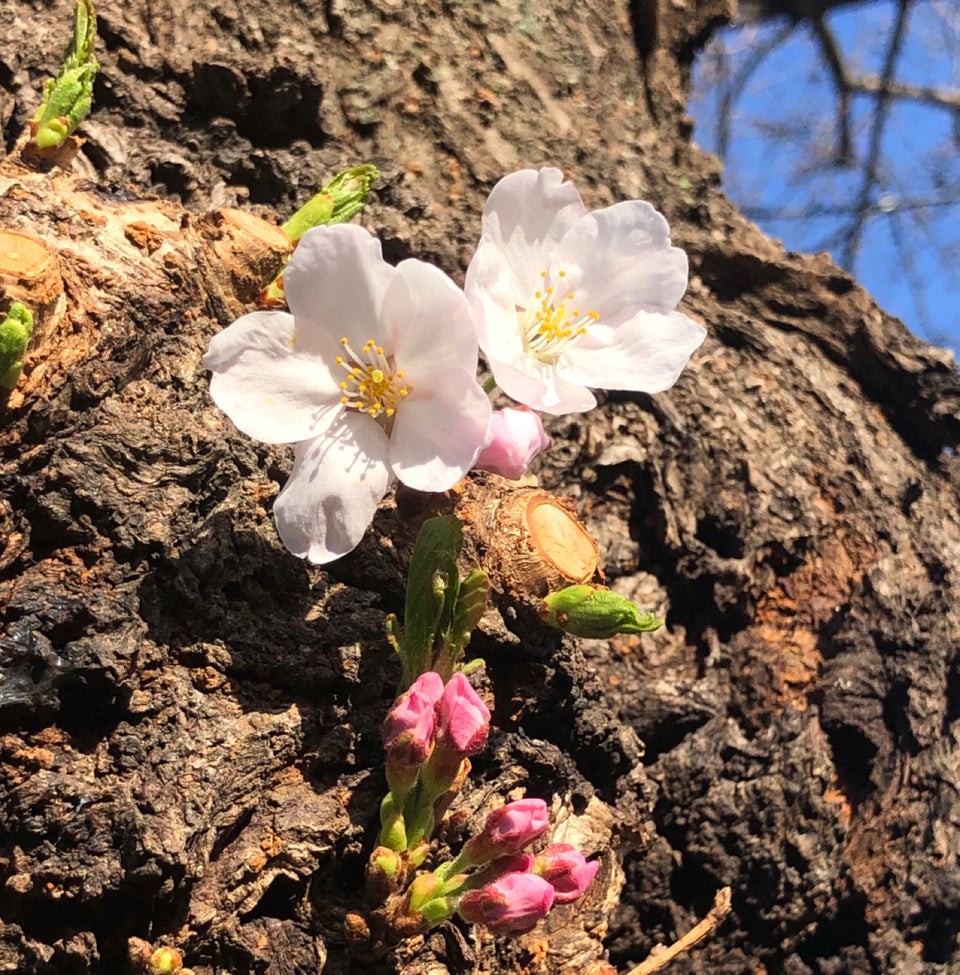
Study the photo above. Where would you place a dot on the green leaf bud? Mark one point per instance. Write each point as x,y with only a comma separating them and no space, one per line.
15,332
68,97
339,201
595,611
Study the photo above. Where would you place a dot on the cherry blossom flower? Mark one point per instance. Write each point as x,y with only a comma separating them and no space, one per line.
372,376
565,299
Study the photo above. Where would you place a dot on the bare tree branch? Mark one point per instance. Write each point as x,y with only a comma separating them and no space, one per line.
871,165
913,279
757,10
831,54
937,97
883,205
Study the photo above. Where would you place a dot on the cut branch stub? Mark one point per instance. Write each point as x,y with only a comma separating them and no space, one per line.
30,272
529,542
251,250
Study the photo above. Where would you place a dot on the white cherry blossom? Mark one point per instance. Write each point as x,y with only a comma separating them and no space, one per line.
565,299
372,376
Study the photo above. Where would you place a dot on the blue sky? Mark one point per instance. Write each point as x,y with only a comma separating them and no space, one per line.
786,120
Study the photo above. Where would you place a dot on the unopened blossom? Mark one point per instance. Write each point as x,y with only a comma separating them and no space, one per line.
567,870
513,904
372,376
508,830
414,713
516,437
464,719
565,299
408,738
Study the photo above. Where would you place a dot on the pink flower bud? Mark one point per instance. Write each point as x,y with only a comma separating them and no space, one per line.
511,905
414,711
567,870
464,718
508,830
408,731
411,718
515,437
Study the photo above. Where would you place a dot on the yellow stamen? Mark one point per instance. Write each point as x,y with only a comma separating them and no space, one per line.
549,326
373,386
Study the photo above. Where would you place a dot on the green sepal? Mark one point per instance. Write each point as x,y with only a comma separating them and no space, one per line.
595,611
339,201
68,97
15,332
387,861
437,910
393,833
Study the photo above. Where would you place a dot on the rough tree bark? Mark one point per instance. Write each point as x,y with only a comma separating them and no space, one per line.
189,715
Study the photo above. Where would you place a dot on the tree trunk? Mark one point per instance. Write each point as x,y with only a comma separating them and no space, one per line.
189,716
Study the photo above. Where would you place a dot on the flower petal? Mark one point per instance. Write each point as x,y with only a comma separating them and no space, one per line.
439,431
494,291
539,386
335,486
626,261
526,215
334,285
646,353
271,390
428,321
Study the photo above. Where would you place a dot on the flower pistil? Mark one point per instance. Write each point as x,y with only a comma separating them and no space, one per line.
372,385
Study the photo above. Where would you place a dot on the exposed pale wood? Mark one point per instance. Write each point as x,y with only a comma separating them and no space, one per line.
29,272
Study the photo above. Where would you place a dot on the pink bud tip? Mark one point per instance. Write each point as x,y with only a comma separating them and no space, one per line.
515,436
464,718
567,871
429,685
511,905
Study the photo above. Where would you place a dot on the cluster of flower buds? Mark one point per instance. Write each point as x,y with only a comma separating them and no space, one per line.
429,734
495,883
